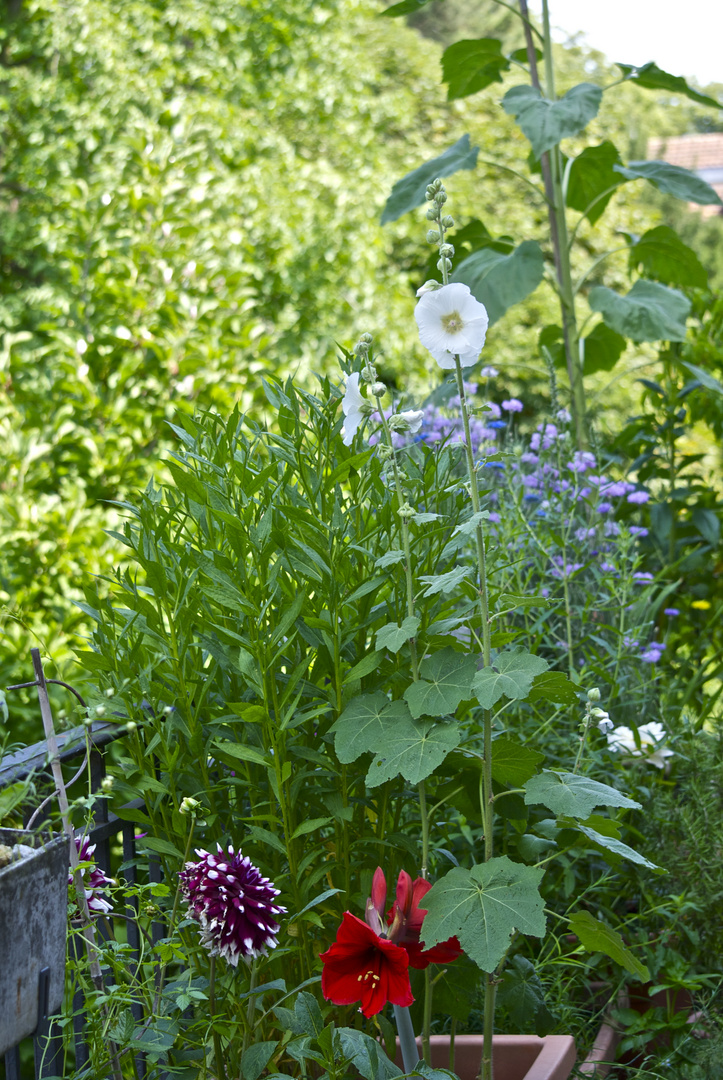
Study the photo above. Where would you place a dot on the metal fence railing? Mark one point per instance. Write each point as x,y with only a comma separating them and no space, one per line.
86,744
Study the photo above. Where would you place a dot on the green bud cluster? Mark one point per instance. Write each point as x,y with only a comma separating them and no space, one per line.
593,694
406,511
432,236
379,389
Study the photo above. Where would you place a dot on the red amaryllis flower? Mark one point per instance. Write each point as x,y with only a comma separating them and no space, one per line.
405,920
362,966
234,905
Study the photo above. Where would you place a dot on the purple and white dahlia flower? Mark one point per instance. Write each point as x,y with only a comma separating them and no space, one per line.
94,880
233,903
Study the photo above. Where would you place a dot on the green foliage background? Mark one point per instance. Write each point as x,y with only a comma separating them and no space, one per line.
189,200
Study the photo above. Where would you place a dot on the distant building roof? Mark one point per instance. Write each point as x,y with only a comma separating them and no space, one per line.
702,154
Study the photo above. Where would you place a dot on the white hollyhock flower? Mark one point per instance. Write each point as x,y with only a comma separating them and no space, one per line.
652,737
355,408
452,323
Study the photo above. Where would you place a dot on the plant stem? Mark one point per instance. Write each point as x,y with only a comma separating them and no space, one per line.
407,1042
550,164
251,1009
217,1052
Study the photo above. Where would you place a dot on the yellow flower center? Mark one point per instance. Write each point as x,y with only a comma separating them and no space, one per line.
452,323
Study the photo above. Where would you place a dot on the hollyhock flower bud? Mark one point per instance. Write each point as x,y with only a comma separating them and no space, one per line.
234,905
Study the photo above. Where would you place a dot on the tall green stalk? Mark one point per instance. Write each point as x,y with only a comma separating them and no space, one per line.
552,175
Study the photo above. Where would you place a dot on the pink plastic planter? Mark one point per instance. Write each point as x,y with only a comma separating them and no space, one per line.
514,1057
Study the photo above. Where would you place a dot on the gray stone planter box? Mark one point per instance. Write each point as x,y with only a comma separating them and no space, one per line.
33,926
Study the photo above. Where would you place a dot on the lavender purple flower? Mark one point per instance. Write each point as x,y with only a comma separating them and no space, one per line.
233,903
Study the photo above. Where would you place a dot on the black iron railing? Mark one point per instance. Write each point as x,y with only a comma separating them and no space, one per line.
84,746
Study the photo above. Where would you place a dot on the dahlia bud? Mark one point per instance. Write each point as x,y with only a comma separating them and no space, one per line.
188,806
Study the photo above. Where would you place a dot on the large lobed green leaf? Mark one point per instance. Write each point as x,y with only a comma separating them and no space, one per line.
570,795
649,312
412,749
592,180
671,180
483,907
498,281
663,256
410,191
546,122
511,675
446,679
469,66
653,78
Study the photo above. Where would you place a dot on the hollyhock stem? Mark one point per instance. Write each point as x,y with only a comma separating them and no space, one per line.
407,1042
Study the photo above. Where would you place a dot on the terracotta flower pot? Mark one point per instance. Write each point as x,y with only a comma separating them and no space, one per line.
514,1057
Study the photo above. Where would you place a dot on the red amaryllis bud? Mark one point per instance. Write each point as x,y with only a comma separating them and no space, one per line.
234,905
409,918
361,966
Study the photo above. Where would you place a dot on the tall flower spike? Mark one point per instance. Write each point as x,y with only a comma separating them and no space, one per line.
233,903
452,323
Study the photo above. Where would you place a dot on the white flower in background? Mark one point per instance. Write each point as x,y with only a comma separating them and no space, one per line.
355,407
652,738
452,323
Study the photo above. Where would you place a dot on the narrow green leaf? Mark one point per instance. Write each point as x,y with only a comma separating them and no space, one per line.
404,7
469,66
595,936
163,847
239,751
511,600
498,281
545,122
610,843
704,377
649,312
367,664
311,826
653,78
570,795
410,191
483,907
671,180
